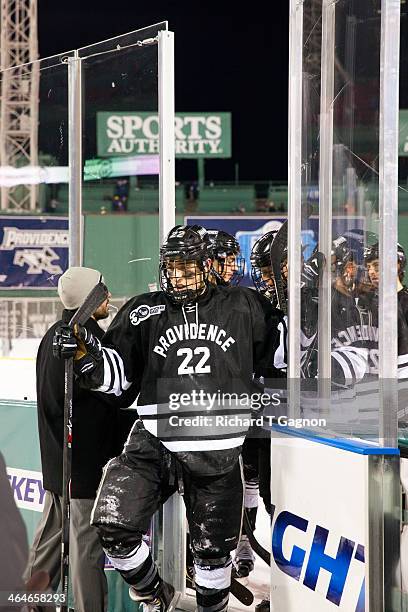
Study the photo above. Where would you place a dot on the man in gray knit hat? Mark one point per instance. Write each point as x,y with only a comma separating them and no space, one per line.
96,438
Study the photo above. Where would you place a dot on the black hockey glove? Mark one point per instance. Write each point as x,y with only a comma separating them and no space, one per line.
312,270
89,353
64,342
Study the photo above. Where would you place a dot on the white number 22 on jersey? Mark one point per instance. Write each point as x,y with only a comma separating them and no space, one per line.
200,368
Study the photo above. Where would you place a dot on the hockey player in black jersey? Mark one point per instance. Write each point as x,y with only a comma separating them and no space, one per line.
372,264
180,348
228,266
261,267
354,332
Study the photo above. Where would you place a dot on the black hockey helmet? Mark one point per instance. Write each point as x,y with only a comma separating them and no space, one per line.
341,254
261,266
371,253
183,263
225,252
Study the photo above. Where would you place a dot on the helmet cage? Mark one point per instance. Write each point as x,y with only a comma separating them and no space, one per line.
235,270
264,286
183,280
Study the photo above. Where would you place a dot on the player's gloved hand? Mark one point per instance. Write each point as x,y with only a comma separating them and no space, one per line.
89,354
312,270
64,342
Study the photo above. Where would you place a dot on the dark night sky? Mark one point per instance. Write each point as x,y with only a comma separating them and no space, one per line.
223,63
235,62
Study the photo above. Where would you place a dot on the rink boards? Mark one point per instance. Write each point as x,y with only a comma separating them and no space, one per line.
19,445
324,534
323,525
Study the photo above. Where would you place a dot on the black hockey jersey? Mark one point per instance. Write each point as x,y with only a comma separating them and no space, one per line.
354,334
348,351
192,366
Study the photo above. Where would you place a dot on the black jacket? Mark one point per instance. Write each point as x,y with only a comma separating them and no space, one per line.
96,426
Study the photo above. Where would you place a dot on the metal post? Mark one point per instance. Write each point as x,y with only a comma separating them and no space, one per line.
325,187
167,179
388,214
388,329
295,185
75,160
174,532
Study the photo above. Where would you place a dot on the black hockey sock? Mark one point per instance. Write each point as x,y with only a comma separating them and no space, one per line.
211,600
144,579
251,513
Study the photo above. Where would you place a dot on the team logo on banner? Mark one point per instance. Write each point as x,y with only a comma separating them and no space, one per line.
33,251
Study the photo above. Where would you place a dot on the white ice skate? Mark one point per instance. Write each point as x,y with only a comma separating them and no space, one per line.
244,557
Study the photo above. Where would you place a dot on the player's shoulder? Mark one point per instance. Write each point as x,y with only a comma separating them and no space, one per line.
236,295
150,297
403,299
142,306
403,294
256,301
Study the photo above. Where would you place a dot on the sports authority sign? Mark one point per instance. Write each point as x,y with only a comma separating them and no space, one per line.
197,134
33,251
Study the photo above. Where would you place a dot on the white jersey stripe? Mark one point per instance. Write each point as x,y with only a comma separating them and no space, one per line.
114,379
202,445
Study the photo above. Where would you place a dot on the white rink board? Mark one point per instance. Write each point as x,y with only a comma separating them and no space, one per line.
17,378
323,488
17,370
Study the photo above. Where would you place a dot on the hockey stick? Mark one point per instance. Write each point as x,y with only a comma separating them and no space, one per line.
280,242
276,251
256,546
92,302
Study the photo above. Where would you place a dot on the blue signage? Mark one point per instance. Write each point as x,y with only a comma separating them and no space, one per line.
316,558
33,251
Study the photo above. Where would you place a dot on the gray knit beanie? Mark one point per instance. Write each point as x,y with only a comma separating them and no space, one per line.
75,284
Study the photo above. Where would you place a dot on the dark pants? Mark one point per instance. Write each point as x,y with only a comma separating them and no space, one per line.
139,481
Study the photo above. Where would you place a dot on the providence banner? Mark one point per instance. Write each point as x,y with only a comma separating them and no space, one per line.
33,251
206,135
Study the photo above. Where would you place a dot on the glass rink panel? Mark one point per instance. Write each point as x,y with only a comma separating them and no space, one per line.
120,150
339,288
34,175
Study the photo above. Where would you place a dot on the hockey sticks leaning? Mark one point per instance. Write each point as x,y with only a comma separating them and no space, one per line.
240,591
280,242
95,298
278,246
256,546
